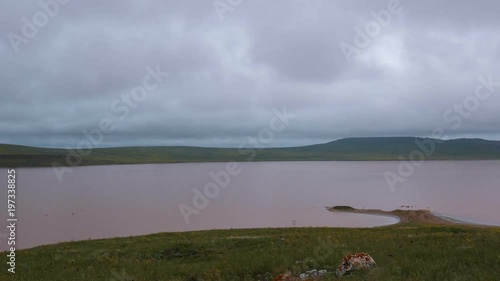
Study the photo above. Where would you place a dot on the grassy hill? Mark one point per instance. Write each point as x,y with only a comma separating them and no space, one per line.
402,252
390,148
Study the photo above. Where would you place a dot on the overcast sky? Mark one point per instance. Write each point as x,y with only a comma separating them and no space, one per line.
231,67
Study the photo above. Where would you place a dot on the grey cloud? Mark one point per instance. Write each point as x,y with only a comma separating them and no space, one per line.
226,77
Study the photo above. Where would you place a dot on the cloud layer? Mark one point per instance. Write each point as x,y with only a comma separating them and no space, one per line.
230,67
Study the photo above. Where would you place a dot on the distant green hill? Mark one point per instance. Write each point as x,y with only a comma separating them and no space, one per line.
388,148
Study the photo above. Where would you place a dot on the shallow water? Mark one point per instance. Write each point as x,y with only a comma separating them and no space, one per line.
109,201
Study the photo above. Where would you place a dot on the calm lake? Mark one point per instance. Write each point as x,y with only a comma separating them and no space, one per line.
110,201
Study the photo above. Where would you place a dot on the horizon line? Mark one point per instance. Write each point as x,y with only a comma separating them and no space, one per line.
189,146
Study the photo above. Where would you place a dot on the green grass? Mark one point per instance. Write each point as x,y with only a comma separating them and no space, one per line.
356,149
402,252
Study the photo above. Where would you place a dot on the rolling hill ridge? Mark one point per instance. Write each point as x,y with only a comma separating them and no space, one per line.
348,149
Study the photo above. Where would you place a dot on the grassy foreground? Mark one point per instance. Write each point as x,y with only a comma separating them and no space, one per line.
402,252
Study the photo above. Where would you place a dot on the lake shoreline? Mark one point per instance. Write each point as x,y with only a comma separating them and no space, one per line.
348,149
408,216
419,217
240,162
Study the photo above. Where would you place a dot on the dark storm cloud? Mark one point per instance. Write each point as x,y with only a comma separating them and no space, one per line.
227,76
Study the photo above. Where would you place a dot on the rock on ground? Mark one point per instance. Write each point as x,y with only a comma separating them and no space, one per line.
354,262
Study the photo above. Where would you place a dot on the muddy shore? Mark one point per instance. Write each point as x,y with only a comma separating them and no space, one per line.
405,216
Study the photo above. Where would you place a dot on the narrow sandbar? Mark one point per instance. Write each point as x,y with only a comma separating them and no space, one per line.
405,216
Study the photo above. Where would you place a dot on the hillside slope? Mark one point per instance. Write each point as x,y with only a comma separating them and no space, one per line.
356,149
